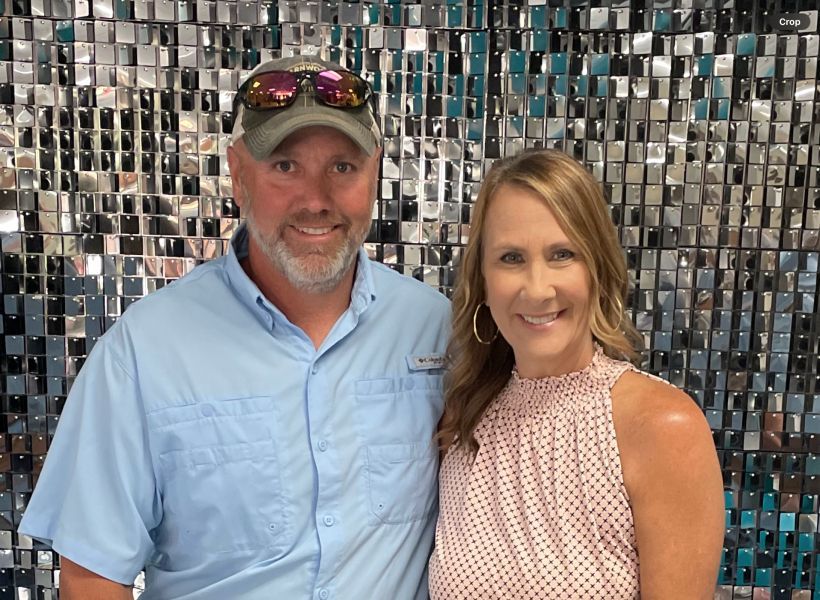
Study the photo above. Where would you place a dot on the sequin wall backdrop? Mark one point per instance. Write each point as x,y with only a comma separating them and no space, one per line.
698,117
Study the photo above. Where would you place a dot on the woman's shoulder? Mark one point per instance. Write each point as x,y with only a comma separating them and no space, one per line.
656,424
644,400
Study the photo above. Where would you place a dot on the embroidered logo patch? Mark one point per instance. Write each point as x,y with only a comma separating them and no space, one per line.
425,362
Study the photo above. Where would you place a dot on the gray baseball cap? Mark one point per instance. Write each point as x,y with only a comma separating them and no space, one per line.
264,130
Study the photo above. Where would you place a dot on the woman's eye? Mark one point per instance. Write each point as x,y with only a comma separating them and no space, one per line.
564,254
511,258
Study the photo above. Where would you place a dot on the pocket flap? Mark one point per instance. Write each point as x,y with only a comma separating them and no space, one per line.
393,385
191,458
396,453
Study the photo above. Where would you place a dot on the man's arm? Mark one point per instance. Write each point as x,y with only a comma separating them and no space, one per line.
77,583
96,500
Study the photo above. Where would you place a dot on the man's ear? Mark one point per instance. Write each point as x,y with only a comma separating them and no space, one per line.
375,159
235,169
372,157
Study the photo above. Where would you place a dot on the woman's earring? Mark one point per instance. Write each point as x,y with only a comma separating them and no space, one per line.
475,327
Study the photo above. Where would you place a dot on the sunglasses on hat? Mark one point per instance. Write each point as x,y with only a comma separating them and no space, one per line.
278,89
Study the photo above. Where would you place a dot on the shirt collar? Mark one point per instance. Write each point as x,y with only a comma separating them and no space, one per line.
363,293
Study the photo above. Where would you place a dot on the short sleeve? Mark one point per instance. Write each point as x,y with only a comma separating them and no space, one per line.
96,501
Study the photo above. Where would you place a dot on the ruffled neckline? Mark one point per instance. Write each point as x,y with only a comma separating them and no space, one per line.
595,369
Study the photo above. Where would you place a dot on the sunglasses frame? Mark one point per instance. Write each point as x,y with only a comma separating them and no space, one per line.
241,93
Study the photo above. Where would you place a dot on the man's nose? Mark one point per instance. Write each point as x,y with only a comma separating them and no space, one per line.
316,192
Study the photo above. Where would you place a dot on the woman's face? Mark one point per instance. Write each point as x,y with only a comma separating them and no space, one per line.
537,285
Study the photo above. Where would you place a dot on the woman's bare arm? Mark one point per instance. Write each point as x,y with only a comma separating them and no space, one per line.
673,478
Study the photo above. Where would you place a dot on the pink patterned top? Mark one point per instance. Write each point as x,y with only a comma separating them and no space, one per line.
542,511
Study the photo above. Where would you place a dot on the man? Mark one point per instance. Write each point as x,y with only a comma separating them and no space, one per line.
263,427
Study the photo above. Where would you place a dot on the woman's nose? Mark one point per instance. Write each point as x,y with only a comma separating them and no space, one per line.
539,285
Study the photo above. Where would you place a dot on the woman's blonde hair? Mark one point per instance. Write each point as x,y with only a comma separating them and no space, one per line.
478,372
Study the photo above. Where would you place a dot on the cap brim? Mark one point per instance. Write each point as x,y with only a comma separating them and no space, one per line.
264,138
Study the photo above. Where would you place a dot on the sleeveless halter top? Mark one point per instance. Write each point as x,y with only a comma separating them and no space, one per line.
542,511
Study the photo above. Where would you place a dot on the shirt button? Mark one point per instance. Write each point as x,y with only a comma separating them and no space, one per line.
314,369
324,594
272,526
329,520
322,445
207,410
409,384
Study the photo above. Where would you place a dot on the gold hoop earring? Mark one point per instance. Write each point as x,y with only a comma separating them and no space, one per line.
475,327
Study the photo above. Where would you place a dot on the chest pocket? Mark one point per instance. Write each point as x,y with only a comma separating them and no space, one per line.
397,418
218,464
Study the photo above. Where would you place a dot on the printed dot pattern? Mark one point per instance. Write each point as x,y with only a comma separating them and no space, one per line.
542,511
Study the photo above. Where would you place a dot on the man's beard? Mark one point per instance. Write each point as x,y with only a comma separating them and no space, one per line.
316,272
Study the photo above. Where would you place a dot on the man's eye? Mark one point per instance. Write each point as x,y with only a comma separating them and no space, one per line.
343,167
283,166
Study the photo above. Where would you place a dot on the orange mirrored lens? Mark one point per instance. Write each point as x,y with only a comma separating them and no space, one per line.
276,89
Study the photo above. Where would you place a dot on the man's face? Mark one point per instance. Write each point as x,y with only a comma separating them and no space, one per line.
308,205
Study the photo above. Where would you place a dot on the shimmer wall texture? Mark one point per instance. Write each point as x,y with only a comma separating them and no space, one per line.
701,120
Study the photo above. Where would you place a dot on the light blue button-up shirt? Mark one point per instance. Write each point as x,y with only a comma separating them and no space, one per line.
207,441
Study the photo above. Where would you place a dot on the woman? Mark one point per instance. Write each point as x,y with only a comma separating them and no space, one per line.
567,473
